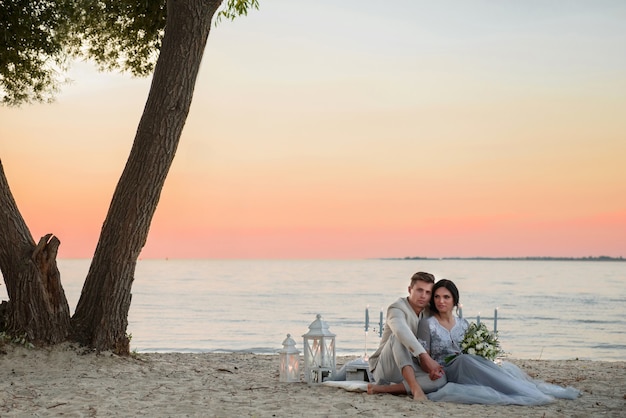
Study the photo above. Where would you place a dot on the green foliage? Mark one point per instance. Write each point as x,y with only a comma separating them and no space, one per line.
38,38
122,35
236,8
18,340
32,39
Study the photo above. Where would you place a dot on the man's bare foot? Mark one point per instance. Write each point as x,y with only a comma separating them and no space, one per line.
371,390
418,394
420,397
394,389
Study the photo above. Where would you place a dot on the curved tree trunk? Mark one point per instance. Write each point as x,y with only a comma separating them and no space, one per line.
101,315
37,306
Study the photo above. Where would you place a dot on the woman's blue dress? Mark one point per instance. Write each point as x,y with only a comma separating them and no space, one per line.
475,380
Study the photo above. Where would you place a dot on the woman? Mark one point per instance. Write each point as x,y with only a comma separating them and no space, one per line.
471,378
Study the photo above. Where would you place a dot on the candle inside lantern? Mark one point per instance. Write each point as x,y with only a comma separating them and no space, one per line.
495,320
320,359
289,369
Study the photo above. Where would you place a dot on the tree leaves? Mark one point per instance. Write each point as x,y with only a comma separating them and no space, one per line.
39,37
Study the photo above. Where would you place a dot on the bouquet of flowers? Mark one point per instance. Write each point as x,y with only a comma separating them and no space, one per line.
480,341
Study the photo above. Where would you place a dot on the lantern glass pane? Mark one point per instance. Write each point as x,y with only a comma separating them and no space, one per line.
328,350
293,368
315,359
289,368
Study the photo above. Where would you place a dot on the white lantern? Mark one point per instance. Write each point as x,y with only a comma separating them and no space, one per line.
319,352
289,369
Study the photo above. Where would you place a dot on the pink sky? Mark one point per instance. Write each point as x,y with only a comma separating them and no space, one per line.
489,131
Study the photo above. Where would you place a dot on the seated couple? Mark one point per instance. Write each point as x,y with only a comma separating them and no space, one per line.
421,332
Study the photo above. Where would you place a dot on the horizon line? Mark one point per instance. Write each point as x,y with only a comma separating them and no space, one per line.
507,258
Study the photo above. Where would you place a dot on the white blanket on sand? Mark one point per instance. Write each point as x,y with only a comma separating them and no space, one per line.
349,385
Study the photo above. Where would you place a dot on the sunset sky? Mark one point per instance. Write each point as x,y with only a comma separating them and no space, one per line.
355,129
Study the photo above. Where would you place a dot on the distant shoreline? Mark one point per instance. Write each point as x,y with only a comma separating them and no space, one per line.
600,258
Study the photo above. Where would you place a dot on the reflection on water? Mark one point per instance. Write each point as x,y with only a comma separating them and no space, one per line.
546,309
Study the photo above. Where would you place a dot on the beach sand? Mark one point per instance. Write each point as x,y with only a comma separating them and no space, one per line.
67,381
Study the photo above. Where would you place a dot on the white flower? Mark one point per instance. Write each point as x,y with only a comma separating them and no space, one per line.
480,341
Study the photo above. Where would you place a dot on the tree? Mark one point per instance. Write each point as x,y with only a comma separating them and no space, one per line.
33,36
37,305
119,34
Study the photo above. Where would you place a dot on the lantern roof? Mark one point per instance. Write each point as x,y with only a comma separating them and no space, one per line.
289,346
318,328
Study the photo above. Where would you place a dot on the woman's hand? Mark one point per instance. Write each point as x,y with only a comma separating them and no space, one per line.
436,374
430,366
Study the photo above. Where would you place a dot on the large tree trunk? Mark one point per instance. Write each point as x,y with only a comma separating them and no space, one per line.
101,315
37,306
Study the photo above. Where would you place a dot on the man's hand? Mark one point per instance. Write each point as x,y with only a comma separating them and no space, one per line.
430,366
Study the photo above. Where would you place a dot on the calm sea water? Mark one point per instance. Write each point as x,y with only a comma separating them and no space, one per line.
546,309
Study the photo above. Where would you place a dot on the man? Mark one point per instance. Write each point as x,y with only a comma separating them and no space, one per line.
400,364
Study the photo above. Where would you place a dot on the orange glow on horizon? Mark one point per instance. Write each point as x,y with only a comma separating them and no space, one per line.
445,132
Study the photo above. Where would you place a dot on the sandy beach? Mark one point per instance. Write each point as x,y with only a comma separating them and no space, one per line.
68,381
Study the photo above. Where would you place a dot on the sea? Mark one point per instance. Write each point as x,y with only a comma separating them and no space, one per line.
546,309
